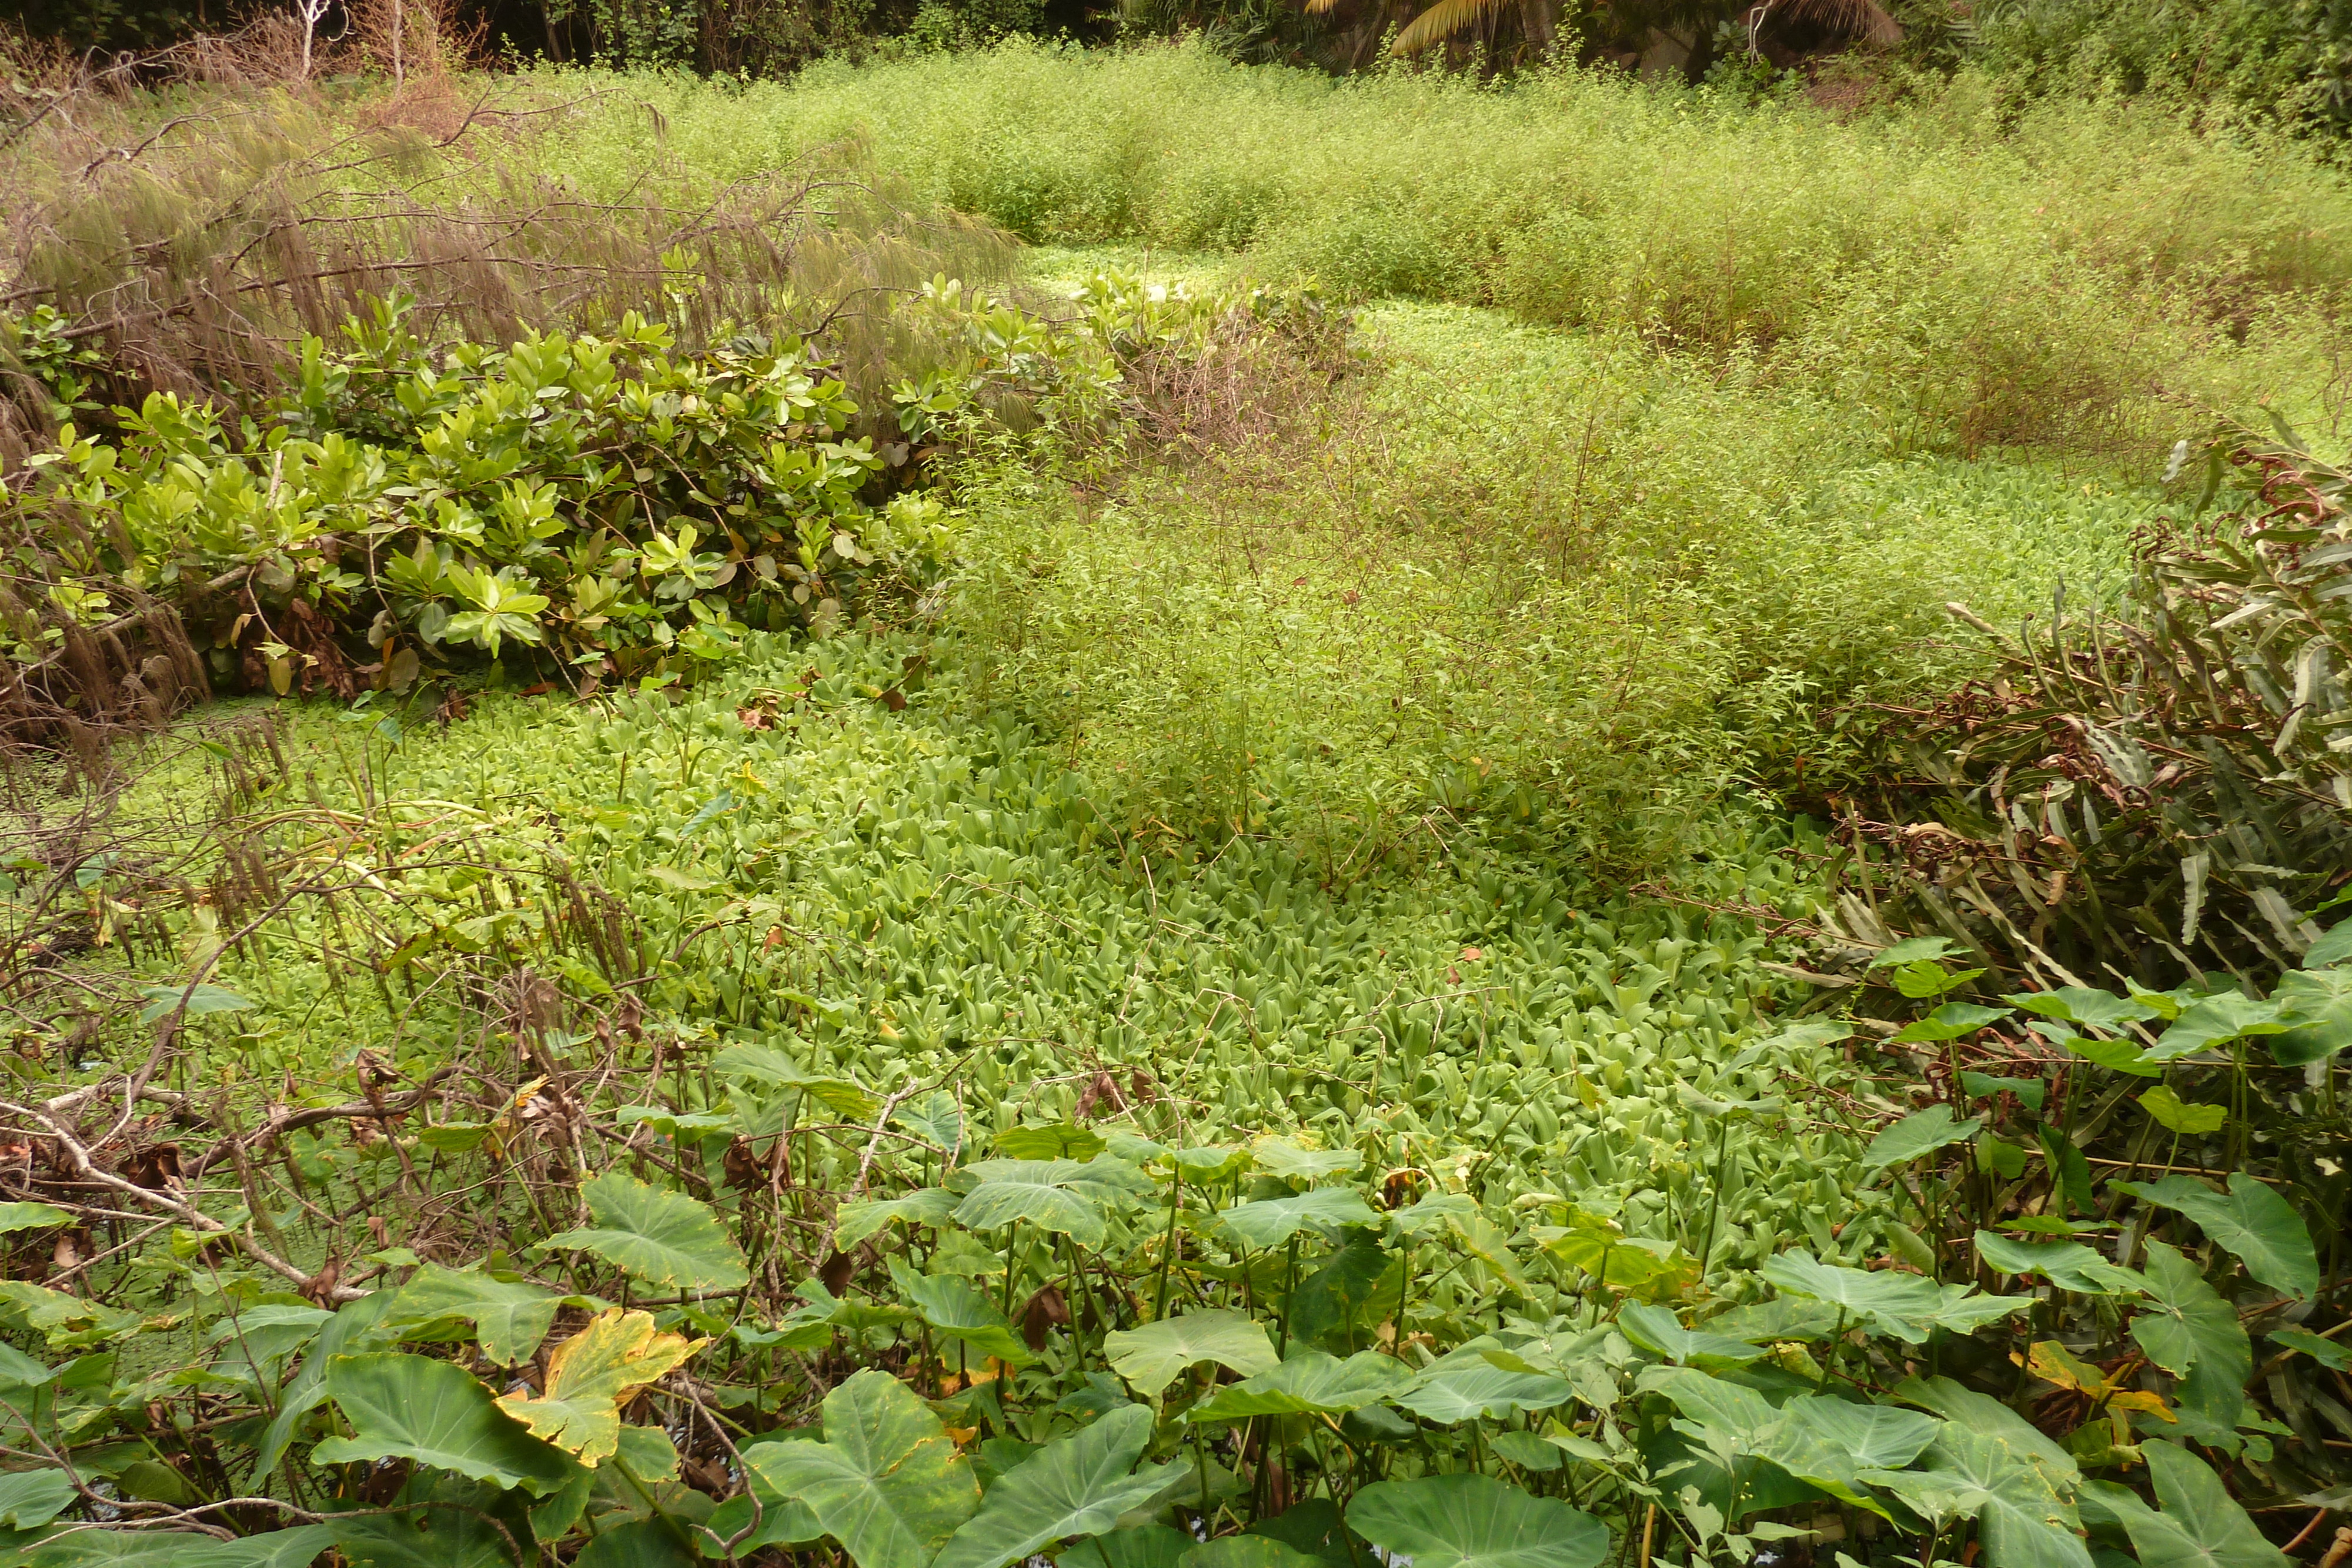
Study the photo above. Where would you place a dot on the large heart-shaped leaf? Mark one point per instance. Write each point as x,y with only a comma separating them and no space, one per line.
509,1316
886,1483
2202,1526
29,1499
357,1326
1139,1546
1309,1384
1476,1521
2189,1331
1469,1392
1281,1157
589,1375
1075,1486
856,1221
2217,1020
413,1408
1271,1221
292,1548
2319,1006
959,1312
1059,1195
2250,1219
31,1217
1659,1332
1247,1552
2080,1004
661,1237
2069,1265
2014,1495
1151,1357
1921,1133
768,1065
1898,1305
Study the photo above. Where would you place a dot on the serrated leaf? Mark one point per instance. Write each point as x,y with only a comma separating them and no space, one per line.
1075,1486
588,1378
653,1234
886,1482
1151,1357
2250,1219
413,1408
1476,1521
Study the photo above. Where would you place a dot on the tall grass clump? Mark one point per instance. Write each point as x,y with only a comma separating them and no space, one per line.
1970,276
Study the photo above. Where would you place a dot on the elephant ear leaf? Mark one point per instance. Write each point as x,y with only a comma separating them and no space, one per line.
1476,1521
660,1237
886,1483
414,1407
2202,1525
1077,1486
2251,1220
1150,1357
591,1374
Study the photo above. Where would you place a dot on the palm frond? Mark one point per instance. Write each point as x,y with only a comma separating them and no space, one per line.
1442,21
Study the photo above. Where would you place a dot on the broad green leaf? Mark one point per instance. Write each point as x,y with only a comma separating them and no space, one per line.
1489,1244
2178,1115
1075,1486
1066,1142
1339,1303
1903,1305
413,1408
1142,1546
1432,1209
1912,950
509,1316
203,1000
1476,1521
591,1374
358,1325
959,1312
2019,1501
2116,1055
1741,1414
638,1543
852,1102
2202,1525
2030,1091
653,1234
1066,1196
937,1118
1465,1393
886,1482
2250,1219
1781,1319
1950,1022
1659,1332
454,1524
2190,1331
2069,1265
1247,1551
1921,1133
2335,946
1279,1156
2217,1020
293,1548
2080,1004
1875,1437
2319,1007
2327,1352
29,1499
1151,1357
1310,1382
31,1217
856,1221
1271,1221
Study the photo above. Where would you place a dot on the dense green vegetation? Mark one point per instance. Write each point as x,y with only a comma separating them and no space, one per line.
738,875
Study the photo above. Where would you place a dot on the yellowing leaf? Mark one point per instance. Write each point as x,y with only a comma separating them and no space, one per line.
588,1376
